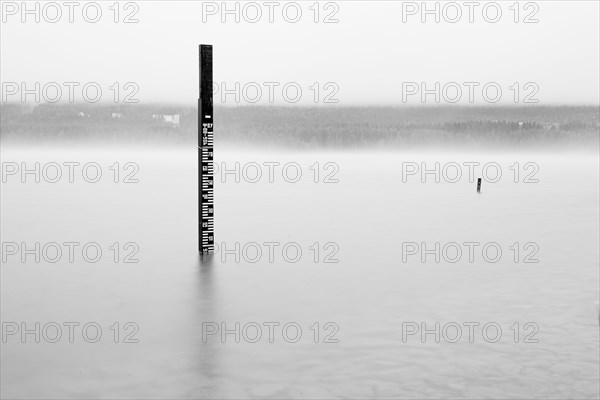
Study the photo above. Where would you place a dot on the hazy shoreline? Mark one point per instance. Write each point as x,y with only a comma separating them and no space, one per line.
305,128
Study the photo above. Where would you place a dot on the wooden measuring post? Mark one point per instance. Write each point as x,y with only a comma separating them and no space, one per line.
205,154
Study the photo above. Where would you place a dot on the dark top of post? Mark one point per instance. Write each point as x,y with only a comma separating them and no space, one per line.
206,78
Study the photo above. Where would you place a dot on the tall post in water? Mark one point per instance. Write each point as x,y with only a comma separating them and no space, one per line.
205,154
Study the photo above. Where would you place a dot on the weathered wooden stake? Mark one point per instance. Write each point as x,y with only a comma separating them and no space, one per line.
478,185
205,154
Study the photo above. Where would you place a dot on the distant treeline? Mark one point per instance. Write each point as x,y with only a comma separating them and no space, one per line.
306,127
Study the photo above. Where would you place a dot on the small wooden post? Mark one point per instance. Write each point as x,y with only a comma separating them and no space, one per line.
478,185
205,154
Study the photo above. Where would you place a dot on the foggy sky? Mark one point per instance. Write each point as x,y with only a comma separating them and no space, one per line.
368,54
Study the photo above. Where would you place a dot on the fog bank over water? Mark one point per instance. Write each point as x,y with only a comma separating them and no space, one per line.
305,128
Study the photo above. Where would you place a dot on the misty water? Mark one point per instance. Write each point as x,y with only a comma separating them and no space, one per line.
363,303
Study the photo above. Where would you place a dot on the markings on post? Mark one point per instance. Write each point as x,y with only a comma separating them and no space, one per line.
206,209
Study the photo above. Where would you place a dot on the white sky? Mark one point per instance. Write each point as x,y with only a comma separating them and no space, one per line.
369,53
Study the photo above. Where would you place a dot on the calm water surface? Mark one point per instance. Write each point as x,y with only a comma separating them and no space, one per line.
366,296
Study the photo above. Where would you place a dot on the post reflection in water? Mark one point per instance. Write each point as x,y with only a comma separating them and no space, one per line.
207,360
